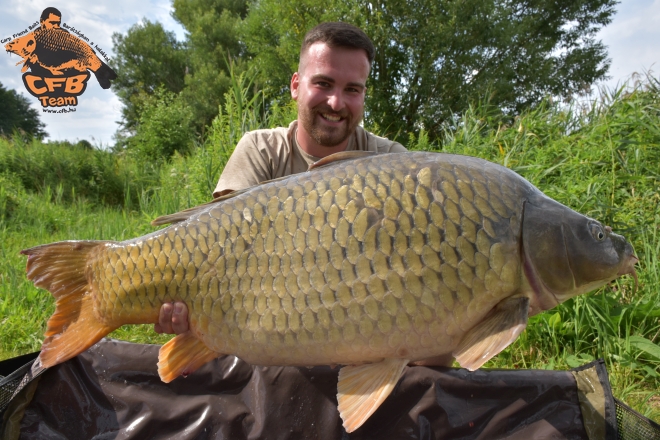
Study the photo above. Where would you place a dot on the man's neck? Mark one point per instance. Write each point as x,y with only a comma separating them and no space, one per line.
311,147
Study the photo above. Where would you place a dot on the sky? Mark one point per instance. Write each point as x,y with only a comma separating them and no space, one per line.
632,41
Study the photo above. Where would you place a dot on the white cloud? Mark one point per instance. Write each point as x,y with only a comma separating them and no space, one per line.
632,40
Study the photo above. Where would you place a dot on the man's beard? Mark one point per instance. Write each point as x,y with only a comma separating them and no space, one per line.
324,135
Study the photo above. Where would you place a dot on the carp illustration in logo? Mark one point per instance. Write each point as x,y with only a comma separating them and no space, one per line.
58,62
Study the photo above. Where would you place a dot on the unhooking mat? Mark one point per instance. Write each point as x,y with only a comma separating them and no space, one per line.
112,391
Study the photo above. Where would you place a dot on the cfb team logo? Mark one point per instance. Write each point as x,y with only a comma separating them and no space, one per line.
56,63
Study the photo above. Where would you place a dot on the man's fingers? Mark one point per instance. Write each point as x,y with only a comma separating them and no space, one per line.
172,319
164,319
180,318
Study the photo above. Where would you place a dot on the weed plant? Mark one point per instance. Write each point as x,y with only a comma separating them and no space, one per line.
600,159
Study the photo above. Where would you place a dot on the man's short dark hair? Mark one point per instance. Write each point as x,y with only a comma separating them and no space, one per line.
338,34
46,13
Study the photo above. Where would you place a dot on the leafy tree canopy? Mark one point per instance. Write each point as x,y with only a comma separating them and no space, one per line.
145,58
434,57
17,115
148,57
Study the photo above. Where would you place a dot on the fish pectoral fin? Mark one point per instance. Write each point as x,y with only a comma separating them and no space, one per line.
183,355
363,388
492,335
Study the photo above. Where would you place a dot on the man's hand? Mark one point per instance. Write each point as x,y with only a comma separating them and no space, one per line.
173,318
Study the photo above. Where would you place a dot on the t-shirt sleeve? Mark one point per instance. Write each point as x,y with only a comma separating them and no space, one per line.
246,167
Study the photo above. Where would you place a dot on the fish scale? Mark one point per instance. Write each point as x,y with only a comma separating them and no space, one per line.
367,282
370,263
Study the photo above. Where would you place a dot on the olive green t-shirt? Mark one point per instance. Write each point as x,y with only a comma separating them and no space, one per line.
263,155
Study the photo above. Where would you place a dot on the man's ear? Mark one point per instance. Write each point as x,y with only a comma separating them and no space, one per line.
295,82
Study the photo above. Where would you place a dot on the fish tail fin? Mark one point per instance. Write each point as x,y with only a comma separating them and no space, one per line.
104,75
61,269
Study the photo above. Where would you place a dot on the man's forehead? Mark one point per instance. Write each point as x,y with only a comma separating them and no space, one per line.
53,17
321,51
320,48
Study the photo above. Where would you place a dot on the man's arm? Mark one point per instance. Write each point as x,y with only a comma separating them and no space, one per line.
247,166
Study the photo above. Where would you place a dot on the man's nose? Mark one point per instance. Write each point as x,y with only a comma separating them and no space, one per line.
336,101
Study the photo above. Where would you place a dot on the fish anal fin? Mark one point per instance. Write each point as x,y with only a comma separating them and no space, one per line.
363,388
183,355
66,338
492,335
343,155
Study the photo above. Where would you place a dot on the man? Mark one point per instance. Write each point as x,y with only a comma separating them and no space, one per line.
330,87
50,18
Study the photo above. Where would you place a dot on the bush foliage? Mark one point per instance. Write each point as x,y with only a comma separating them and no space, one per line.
601,159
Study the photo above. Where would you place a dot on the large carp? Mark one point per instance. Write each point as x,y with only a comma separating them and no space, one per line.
371,263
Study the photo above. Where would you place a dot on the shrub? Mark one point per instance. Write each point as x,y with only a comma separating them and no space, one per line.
165,127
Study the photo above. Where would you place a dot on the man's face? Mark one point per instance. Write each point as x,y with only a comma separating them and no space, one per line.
330,90
52,22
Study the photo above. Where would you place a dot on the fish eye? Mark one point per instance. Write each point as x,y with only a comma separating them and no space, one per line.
597,231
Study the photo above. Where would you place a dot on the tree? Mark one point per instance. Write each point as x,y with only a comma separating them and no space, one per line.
146,58
212,39
16,114
434,57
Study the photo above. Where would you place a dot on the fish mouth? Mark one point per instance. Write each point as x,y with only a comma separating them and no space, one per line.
628,268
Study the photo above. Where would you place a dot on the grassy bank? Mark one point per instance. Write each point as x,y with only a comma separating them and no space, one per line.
601,160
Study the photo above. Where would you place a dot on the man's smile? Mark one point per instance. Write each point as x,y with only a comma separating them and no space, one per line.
331,118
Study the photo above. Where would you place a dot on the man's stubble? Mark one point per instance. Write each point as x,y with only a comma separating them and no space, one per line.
327,136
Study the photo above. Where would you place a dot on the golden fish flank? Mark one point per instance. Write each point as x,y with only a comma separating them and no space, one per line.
383,260
321,299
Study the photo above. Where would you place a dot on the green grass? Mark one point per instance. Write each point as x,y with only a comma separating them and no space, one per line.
601,160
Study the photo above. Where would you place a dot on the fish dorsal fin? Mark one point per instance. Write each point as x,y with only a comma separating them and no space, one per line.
492,335
344,155
361,389
187,213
